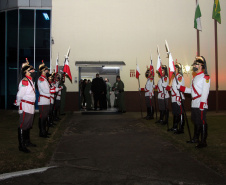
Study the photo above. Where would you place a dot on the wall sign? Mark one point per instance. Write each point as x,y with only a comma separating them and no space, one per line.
132,73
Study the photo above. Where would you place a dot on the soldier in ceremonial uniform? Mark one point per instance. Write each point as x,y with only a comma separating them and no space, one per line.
120,95
52,97
149,93
163,96
44,99
199,91
176,95
25,100
58,97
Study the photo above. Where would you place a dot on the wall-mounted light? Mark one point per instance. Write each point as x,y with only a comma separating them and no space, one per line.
46,16
52,40
186,69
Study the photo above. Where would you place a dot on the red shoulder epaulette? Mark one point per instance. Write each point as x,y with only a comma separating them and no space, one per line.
41,79
207,77
25,82
180,78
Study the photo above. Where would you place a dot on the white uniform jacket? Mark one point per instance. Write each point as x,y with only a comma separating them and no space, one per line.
149,87
199,91
175,94
44,91
52,95
26,96
162,84
59,88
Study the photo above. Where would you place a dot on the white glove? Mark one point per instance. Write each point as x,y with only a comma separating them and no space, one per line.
16,103
57,89
178,103
139,89
90,92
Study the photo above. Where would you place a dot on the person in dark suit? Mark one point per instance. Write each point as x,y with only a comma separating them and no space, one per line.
98,88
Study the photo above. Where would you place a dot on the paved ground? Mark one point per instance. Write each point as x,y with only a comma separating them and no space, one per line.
118,150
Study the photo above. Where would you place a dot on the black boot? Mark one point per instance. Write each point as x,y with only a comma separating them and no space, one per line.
203,144
42,129
158,121
162,113
28,142
196,135
148,113
151,112
21,138
174,127
49,122
56,118
181,124
166,113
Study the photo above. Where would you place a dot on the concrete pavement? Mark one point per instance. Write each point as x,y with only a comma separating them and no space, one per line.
118,149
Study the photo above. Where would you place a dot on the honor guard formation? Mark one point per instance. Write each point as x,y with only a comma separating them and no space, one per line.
199,91
49,87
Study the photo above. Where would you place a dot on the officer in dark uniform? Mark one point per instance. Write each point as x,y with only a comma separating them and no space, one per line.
120,95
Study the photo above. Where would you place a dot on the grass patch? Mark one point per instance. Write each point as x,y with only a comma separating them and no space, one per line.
14,160
214,155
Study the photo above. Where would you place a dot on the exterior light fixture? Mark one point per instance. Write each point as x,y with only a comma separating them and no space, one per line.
46,16
111,67
186,69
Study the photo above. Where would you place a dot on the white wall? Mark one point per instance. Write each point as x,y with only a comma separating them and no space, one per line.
126,30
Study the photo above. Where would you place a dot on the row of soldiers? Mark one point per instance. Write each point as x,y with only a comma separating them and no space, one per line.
199,91
49,88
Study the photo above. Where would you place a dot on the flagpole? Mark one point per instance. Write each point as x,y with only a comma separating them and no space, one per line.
182,103
141,112
198,44
216,63
139,91
198,41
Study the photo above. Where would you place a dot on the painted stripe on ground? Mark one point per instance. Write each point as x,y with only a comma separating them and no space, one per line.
25,172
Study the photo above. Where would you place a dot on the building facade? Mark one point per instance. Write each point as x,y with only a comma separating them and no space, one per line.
127,31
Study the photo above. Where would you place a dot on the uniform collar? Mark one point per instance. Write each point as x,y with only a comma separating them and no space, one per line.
29,77
199,73
43,76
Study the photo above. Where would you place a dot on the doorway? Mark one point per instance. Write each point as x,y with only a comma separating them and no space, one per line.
109,70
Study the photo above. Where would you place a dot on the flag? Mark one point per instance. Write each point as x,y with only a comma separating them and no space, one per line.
67,69
137,71
171,66
197,21
152,69
159,66
216,11
56,68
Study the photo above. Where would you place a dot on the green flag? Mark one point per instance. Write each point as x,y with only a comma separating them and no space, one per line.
197,21
217,11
